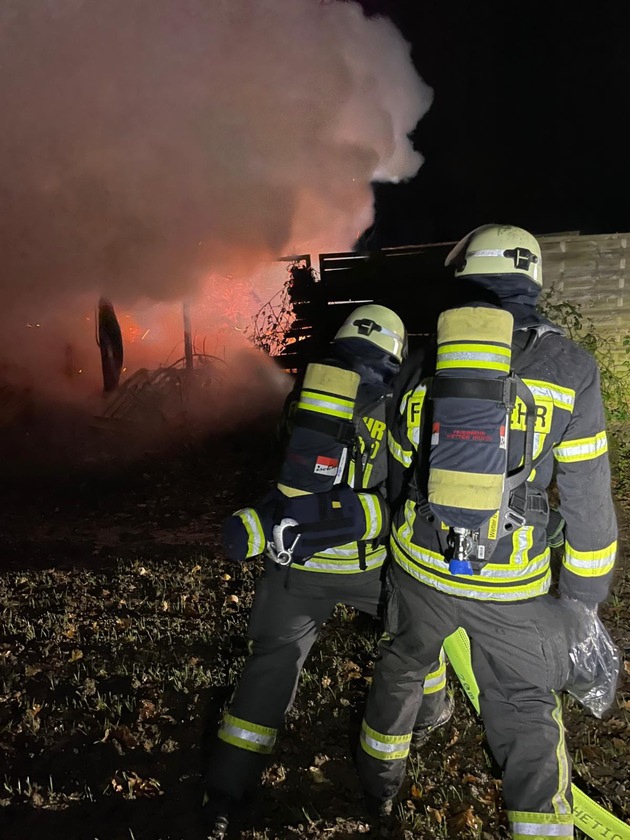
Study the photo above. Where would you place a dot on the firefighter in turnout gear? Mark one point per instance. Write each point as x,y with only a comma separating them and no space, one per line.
293,601
438,582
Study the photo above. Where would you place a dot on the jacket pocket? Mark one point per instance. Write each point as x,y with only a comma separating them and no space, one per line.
392,608
553,637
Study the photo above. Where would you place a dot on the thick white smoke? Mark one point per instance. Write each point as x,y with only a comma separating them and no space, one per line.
149,143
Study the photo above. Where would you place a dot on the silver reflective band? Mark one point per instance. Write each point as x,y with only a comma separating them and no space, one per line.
559,398
538,565
372,512
338,551
346,555
598,563
506,571
399,341
596,445
470,356
246,735
344,566
542,829
528,590
495,252
486,252
379,746
436,680
252,525
334,406
403,456
521,543
500,252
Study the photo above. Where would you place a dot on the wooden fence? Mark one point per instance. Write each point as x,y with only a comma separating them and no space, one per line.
591,272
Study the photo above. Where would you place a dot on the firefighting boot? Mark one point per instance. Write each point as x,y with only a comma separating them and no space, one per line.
218,810
421,733
381,814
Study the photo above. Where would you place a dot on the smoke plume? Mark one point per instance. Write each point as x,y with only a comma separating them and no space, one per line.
147,144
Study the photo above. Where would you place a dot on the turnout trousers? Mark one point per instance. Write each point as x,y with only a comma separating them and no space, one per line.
520,660
284,625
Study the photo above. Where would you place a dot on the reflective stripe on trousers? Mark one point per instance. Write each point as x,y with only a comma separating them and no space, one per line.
526,825
384,747
436,680
246,735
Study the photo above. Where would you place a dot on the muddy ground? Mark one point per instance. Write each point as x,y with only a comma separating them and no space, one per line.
123,632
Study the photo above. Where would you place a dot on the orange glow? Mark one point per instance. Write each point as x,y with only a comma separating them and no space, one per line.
62,349
131,331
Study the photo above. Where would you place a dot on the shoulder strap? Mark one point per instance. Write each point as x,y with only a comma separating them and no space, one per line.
526,340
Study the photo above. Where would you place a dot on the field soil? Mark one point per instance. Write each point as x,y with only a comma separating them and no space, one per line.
123,630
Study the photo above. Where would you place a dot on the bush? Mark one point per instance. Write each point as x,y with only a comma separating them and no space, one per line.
613,358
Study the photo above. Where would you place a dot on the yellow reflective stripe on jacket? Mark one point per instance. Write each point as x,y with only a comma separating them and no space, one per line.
583,449
539,442
436,680
326,404
532,825
519,565
255,534
331,561
473,355
589,563
373,515
247,735
403,456
561,397
384,747
520,578
516,590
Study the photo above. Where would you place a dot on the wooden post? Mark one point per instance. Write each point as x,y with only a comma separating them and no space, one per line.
188,348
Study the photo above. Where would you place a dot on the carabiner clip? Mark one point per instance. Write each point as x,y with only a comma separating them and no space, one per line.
276,549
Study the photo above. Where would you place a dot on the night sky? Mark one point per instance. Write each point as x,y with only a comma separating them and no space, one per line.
530,121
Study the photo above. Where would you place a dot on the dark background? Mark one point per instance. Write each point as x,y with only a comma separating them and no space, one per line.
529,123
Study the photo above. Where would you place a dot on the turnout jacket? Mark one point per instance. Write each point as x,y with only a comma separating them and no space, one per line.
569,432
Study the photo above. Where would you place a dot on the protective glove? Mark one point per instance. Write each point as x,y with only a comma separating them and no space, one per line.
593,657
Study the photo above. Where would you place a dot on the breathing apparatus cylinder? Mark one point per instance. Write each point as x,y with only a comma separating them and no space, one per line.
470,424
312,507
322,433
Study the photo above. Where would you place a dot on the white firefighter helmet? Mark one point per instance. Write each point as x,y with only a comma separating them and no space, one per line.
497,249
378,325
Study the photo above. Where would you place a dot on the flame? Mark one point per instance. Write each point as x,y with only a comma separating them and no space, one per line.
62,353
